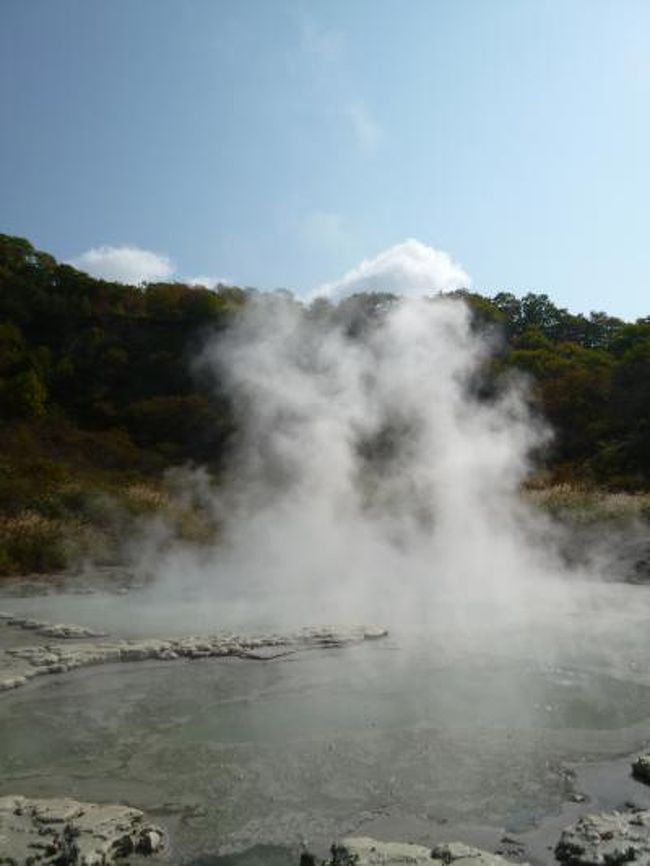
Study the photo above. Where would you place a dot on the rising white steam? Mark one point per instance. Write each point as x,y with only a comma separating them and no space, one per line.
371,481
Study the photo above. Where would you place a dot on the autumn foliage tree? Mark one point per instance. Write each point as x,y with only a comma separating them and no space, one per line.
93,361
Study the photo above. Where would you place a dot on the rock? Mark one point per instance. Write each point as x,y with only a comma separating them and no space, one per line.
19,664
149,841
364,851
339,636
509,847
576,797
64,832
14,672
12,683
641,768
464,855
62,631
65,632
610,838
374,632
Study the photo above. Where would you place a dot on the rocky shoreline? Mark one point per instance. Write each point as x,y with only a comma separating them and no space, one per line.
365,851
607,839
65,832
20,664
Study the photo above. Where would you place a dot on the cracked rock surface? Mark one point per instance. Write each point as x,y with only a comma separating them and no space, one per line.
60,630
364,851
64,832
610,838
20,664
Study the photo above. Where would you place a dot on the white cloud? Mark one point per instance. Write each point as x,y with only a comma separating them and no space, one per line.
324,229
410,269
125,264
326,53
208,282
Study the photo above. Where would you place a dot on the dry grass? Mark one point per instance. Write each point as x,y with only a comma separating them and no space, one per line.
186,521
146,497
583,503
78,521
32,542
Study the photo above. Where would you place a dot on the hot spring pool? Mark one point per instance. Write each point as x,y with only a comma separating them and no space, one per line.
239,756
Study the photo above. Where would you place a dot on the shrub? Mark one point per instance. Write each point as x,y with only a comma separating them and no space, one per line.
31,542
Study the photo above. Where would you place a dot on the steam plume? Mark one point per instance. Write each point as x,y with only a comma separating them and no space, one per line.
371,480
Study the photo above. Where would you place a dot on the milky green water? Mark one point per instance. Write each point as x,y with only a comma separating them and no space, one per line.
247,759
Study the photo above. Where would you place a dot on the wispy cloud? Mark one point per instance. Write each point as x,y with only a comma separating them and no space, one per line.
410,268
125,264
324,47
326,52
325,229
366,130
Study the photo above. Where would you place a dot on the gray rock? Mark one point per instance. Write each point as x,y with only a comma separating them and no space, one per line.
14,672
59,630
464,855
64,832
65,631
364,851
610,838
641,768
18,664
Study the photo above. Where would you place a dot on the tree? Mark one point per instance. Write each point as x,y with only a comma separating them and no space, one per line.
24,395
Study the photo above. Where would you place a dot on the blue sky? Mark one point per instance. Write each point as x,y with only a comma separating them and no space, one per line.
278,143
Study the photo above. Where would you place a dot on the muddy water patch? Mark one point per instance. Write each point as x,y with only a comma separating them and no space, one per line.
243,753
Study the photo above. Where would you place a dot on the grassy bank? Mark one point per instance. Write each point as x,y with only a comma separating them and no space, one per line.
86,523
58,516
69,496
577,504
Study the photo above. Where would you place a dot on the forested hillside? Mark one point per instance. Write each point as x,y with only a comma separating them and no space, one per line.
98,394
